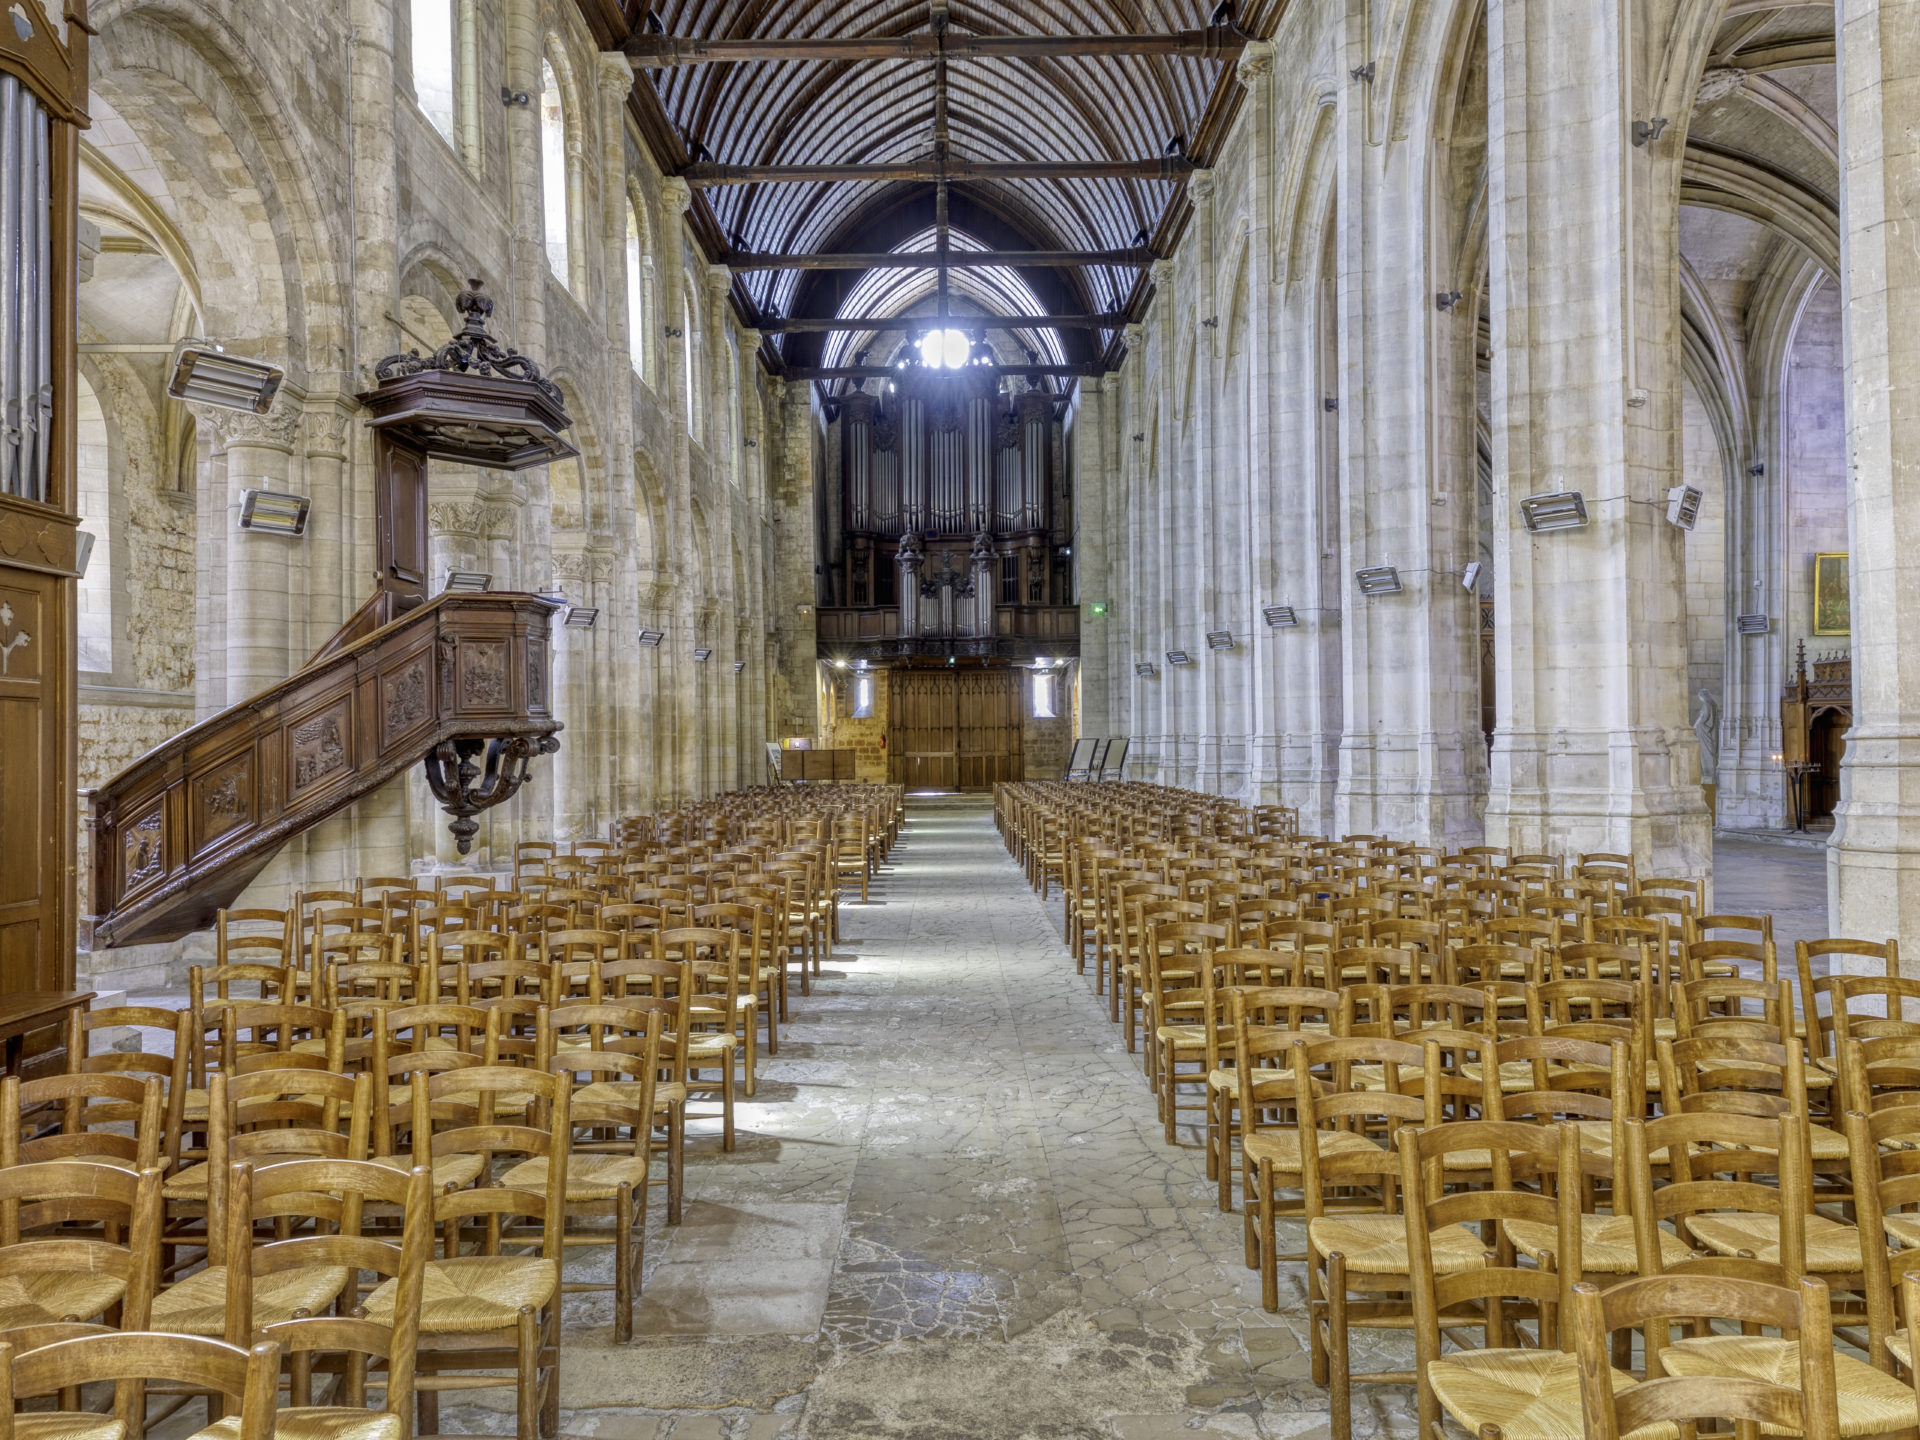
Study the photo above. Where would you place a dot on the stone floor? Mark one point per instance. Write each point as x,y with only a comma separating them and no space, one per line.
951,1214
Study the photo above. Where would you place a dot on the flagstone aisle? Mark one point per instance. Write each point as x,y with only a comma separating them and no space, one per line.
951,1214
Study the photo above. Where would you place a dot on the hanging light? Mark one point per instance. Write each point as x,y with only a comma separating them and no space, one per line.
204,374
1279,616
1378,580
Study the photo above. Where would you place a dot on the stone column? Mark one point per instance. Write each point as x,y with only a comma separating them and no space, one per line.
1257,473
678,687
259,454
1593,750
619,616
1412,760
722,443
1873,867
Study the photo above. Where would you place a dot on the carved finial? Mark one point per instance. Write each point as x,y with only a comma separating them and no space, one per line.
472,351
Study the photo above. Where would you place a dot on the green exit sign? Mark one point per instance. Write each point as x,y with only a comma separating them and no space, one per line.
1098,607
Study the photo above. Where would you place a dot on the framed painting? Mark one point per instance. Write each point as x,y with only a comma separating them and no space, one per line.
1832,600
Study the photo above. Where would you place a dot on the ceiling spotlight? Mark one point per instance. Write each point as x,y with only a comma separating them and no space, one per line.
702,653
1470,577
1753,624
1144,667
1179,657
467,582
273,514
1683,506
1556,510
1280,616
204,374
652,638
1378,580
1219,640
581,617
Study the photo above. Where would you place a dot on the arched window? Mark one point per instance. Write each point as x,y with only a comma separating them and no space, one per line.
639,302
553,172
95,497
433,70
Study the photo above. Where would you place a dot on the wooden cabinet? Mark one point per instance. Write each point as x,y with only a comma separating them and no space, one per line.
43,68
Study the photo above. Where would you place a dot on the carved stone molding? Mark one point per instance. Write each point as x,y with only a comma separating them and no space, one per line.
1256,61
676,196
475,519
1201,185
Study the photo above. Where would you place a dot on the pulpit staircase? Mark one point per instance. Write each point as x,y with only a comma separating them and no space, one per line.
460,683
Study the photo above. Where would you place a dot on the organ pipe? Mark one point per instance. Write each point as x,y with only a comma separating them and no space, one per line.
26,298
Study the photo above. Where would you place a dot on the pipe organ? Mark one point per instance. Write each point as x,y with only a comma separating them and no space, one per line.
951,523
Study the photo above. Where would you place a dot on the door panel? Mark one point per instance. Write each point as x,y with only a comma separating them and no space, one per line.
954,730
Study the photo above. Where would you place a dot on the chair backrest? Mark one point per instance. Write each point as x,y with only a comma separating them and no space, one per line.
83,1102
249,1377
1882,958
1800,1309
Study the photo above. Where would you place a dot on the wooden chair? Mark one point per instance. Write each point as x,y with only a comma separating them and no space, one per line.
1500,1387
482,1310
1357,1260
53,1273
606,1179
1856,957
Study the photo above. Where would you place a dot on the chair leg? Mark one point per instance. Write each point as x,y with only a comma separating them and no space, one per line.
527,1408
1339,1380
1269,1248
726,1106
752,1053
624,1270
550,1396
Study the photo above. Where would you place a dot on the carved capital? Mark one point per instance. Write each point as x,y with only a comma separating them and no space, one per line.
1136,336
455,517
230,428
676,196
719,281
327,432
1163,275
1201,185
1256,61
616,74
750,341
570,571
499,521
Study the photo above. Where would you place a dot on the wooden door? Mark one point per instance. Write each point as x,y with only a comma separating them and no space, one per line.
954,730
923,743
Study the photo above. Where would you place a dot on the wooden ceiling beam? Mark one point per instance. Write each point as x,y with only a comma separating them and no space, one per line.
657,52
1137,257
704,175
827,324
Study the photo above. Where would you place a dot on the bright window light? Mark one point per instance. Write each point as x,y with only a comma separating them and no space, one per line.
433,62
553,169
863,697
945,349
1043,695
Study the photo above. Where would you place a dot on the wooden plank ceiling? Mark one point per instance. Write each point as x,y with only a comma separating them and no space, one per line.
1052,108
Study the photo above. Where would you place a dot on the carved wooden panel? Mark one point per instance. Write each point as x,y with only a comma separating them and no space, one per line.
483,675
319,745
183,831
223,800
